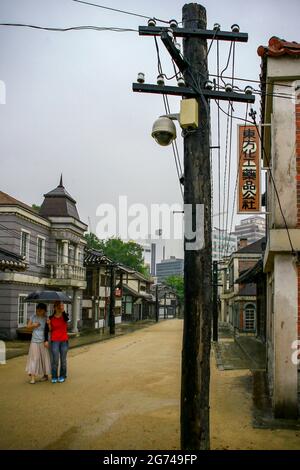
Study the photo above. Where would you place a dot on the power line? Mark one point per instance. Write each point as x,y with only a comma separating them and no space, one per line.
71,28
273,181
230,147
269,170
252,81
219,148
119,11
167,109
235,188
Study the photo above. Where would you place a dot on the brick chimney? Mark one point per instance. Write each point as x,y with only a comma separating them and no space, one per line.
242,243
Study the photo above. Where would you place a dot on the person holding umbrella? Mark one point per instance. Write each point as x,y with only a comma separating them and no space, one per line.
38,362
57,327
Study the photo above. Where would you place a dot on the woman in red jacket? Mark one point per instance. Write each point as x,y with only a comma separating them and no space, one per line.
57,324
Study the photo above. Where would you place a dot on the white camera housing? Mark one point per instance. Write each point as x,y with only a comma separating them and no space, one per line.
164,131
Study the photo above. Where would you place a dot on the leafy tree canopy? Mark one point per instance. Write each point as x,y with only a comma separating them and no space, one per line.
129,253
176,283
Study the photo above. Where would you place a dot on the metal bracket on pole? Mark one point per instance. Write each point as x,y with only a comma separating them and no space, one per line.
173,51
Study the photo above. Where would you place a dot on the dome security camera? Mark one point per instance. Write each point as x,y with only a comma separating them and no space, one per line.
164,131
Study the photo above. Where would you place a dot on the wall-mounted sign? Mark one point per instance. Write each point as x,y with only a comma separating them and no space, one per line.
249,199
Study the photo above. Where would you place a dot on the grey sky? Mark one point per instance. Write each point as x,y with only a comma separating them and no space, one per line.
70,107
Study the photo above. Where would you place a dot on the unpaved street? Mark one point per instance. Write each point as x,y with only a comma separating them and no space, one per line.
125,394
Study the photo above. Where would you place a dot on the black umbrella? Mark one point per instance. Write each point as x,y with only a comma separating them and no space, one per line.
48,296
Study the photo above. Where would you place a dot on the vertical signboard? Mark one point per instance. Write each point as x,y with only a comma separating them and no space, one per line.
249,199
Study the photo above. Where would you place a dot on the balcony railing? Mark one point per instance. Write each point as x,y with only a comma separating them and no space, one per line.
67,271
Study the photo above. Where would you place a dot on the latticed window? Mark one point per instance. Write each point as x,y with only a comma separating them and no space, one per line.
40,259
25,244
250,313
22,311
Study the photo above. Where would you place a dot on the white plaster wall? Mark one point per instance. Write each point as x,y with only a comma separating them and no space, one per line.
283,159
285,332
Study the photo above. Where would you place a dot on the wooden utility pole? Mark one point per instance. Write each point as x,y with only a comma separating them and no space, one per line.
197,190
156,304
197,263
112,300
215,301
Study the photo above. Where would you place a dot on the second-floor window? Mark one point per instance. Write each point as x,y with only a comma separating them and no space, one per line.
40,254
24,249
59,252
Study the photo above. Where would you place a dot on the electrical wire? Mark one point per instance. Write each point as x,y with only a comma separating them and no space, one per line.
253,81
18,235
230,146
235,188
71,28
225,180
227,64
167,109
119,11
219,148
269,170
273,181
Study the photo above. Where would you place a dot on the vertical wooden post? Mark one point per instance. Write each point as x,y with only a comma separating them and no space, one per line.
197,263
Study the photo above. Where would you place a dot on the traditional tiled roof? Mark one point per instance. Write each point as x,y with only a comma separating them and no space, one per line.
278,47
95,257
11,261
135,293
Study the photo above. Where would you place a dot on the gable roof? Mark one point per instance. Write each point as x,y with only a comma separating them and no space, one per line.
7,200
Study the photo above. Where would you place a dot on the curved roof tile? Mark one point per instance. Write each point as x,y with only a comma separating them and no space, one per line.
278,47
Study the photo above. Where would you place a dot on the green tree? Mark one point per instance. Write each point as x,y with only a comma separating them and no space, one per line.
176,283
35,207
129,253
93,241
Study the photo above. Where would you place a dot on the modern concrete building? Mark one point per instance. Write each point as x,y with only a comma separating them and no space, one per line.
169,267
281,144
223,244
51,243
252,228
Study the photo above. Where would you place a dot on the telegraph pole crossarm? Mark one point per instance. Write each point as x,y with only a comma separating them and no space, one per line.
194,33
191,93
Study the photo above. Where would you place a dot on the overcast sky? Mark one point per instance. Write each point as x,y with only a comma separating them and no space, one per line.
69,105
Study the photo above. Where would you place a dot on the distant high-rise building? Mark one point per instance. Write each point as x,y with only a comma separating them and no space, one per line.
252,228
223,244
169,267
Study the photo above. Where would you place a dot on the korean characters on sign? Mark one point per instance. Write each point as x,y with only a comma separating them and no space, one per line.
249,199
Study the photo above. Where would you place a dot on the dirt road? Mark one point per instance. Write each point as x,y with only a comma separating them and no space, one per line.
125,394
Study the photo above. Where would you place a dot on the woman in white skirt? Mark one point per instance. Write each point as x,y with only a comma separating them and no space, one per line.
38,362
